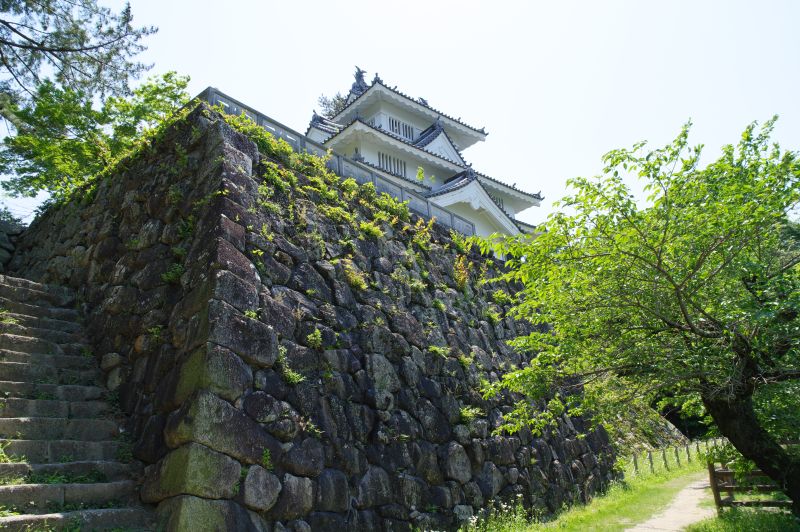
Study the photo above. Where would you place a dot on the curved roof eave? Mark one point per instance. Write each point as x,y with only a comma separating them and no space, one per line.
425,108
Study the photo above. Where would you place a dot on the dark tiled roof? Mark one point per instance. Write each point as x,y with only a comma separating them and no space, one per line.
395,137
427,136
431,133
323,124
378,81
462,179
537,195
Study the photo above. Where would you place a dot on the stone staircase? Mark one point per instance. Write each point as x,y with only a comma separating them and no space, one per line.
64,463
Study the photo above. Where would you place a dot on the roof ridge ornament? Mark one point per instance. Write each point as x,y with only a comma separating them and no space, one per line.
376,79
423,101
359,85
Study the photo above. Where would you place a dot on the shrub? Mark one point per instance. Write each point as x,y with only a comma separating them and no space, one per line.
461,268
337,214
173,274
370,230
422,234
492,316
501,297
470,413
355,278
314,339
438,350
266,460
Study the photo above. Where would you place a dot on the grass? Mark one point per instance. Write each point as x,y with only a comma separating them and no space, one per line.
5,317
6,458
55,478
737,519
625,504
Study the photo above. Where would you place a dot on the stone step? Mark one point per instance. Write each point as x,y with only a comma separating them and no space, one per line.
65,392
39,311
51,451
50,335
56,361
53,428
32,344
16,407
45,323
39,373
35,297
67,294
34,498
28,344
130,519
100,470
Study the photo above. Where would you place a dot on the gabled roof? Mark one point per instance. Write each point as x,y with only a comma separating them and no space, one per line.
416,102
470,178
435,131
323,124
393,137
492,182
509,189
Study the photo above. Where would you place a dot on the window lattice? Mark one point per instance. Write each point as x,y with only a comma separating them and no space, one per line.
393,165
401,128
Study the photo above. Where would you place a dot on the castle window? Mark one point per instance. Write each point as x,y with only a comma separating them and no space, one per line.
393,165
401,128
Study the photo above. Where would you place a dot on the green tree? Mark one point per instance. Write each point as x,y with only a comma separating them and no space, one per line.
694,295
63,139
74,43
332,106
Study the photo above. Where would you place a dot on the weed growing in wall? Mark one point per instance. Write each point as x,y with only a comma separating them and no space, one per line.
314,339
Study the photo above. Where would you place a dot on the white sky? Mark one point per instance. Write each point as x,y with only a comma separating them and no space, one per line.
556,84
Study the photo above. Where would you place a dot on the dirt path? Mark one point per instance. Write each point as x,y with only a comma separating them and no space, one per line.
683,511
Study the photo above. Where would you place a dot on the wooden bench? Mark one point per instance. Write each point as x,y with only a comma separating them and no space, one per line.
723,480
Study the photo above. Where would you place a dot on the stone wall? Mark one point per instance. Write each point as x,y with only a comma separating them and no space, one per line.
285,367
9,231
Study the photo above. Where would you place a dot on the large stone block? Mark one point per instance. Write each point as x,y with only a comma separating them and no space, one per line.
296,498
207,419
210,367
374,489
186,512
261,489
249,338
241,294
456,464
333,494
306,459
191,469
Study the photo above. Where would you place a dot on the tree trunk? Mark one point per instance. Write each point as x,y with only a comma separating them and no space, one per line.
737,422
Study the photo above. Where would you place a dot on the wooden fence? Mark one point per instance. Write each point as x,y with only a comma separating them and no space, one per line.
670,457
751,483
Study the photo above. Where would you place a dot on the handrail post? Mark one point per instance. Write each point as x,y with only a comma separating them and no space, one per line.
712,479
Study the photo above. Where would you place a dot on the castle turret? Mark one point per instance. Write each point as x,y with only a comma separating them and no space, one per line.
418,147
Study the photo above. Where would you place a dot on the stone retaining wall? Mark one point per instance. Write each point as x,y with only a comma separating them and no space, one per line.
8,234
284,370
